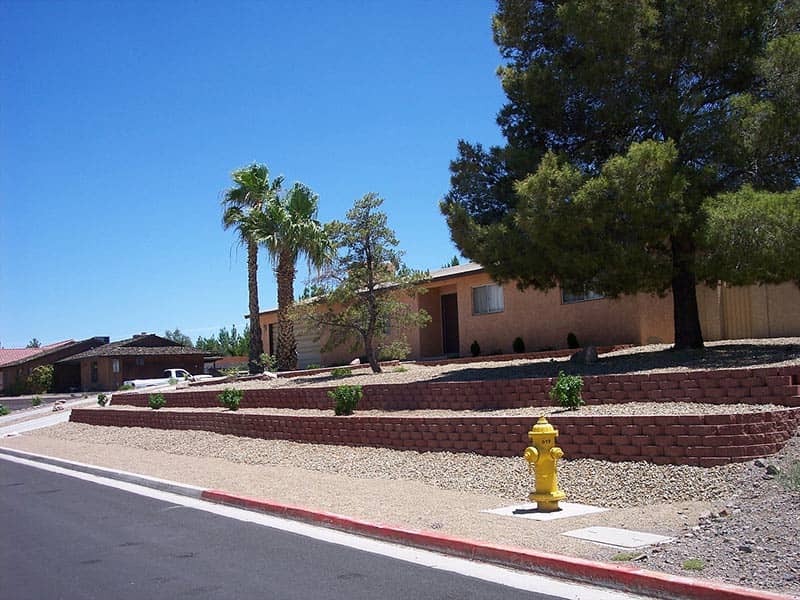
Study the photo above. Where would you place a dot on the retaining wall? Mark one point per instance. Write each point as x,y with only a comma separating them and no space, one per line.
704,440
769,385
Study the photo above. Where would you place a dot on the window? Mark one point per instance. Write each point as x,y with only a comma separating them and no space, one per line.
94,372
579,296
487,299
115,365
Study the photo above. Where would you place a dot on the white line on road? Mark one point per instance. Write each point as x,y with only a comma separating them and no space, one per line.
487,572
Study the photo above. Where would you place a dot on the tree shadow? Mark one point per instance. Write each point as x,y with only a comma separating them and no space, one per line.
712,357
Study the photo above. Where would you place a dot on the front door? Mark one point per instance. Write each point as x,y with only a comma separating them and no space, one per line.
450,324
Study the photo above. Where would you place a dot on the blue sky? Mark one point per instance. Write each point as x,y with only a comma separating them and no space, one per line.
120,123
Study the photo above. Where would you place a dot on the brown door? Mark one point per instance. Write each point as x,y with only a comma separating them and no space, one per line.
450,324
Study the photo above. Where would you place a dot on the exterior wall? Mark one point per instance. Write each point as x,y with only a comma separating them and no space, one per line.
153,367
543,321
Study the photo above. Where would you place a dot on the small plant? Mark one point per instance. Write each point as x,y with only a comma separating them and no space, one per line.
313,366
125,387
572,341
694,564
156,401
269,361
341,372
475,348
345,399
567,391
624,556
230,398
102,399
36,401
791,477
400,369
172,381
396,350
518,346
3,410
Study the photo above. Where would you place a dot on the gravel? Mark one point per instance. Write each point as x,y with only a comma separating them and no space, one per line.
655,358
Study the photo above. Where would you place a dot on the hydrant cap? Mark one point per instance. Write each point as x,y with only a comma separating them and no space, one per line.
543,428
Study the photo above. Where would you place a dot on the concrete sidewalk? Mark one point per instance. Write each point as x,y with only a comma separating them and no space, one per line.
434,519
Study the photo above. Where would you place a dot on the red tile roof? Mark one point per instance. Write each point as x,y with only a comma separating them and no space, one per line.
9,355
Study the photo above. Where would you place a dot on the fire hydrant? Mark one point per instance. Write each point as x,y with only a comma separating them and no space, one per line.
542,457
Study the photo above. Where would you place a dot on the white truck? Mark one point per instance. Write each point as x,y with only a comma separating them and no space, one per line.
170,376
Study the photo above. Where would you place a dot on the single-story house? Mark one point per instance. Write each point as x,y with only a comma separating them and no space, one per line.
218,364
16,364
466,305
141,357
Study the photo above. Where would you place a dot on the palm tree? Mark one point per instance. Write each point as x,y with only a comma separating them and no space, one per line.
241,204
288,228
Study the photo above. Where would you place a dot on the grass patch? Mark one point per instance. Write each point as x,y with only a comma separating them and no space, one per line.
623,556
341,372
399,370
694,564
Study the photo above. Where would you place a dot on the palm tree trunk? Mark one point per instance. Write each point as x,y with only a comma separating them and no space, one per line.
256,346
287,346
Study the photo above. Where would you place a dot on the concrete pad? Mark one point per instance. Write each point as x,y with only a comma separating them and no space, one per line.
529,511
618,538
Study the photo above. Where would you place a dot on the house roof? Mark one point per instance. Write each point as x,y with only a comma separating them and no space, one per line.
436,275
138,345
12,356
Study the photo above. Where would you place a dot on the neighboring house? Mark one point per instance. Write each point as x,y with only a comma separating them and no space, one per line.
18,363
141,357
466,305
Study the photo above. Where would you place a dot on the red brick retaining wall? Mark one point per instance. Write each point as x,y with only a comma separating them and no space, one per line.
754,386
704,440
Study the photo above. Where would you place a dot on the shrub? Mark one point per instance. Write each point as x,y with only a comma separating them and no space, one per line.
572,341
102,399
313,366
397,350
3,410
172,381
345,398
156,401
475,348
567,391
791,478
230,398
41,379
125,387
341,372
518,346
269,361
36,401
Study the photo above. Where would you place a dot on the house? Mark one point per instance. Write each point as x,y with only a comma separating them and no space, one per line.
16,364
466,305
219,364
140,357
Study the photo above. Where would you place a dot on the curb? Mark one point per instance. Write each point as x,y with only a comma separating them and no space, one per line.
629,579
625,578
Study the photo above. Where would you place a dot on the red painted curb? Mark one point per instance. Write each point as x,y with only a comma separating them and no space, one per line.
630,579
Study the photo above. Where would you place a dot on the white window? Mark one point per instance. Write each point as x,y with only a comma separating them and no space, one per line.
579,296
487,299
115,365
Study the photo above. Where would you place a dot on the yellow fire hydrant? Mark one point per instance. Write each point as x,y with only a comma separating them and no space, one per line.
542,457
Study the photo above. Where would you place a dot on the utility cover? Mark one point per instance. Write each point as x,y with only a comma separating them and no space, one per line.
619,538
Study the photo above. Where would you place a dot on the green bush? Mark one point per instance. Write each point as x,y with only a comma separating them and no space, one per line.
313,366
36,401
156,401
125,387
341,372
475,348
172,381
269,361
791,478
102,399
345,398
397,350
40,380
518,346
572,341
3,410
230,398
567,391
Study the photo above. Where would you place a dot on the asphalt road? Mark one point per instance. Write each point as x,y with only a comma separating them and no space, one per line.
62,537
